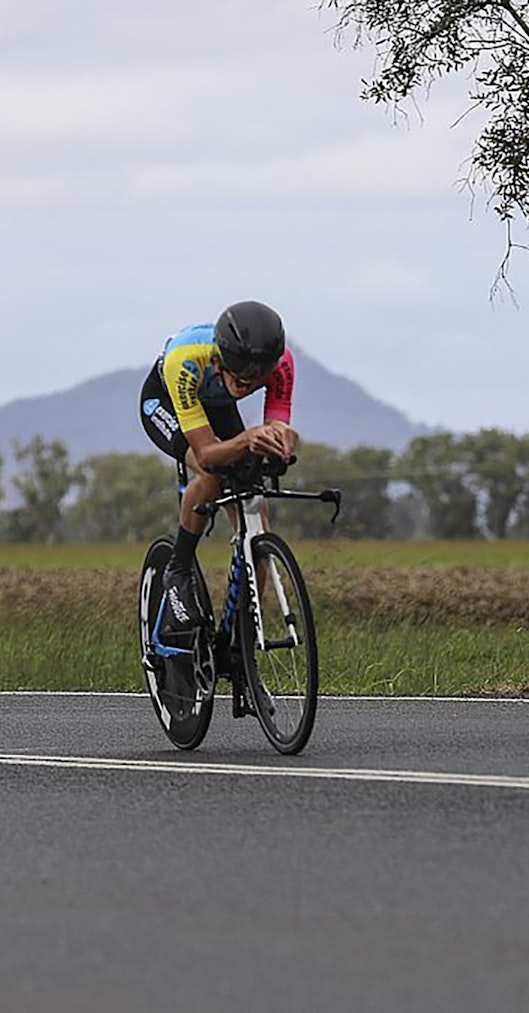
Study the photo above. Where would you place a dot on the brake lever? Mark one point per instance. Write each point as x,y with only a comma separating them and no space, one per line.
332,496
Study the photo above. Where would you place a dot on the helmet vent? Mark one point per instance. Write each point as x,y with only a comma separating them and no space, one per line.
234,329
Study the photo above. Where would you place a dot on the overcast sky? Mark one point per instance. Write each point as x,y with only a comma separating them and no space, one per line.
160,160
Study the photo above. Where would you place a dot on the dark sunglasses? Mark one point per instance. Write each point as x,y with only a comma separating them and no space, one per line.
250,372
241,381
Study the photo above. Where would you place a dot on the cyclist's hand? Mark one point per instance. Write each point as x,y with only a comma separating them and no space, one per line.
265,441
288,437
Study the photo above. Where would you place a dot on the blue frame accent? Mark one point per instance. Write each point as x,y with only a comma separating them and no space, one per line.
161,649
234,590
229,613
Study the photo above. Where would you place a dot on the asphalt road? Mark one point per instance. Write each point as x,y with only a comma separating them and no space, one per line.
259,882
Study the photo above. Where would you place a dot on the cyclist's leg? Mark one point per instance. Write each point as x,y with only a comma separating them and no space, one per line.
186,612
201,488
162,427
179,578
226,422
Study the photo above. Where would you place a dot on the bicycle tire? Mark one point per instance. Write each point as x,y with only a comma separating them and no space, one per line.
178,703
289,727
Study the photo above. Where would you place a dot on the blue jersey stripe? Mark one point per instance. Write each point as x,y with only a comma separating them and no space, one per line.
195,334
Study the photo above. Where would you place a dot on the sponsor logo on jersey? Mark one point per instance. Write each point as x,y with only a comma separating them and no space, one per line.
151,405
165,431
188,387
191,367
162,413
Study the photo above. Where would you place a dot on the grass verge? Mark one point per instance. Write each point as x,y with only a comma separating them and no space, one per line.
329,554
380,631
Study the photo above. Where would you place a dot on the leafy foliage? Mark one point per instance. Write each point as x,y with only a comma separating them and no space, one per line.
124,497
363,475
443,486
434,468
43,486
419,41
498,466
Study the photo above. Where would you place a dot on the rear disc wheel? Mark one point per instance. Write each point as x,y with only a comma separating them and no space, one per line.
182,708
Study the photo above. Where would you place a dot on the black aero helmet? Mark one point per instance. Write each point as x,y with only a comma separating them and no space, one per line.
250,338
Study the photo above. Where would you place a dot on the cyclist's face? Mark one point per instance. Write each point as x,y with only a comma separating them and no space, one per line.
239,386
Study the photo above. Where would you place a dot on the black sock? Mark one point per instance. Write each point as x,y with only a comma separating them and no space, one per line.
183,551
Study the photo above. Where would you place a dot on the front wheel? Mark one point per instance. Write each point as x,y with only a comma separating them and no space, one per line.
182,708
282,678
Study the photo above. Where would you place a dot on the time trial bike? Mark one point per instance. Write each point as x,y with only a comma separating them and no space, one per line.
265,642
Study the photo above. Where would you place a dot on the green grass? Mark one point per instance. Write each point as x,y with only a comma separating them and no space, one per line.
427,660
78,631
67,631
395,618
424,660
107,556
326,554
86,657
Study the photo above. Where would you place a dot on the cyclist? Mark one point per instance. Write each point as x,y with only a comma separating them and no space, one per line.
189,410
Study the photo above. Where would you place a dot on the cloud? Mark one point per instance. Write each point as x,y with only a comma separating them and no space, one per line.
101,34
385,277
161,159
101,143
170,93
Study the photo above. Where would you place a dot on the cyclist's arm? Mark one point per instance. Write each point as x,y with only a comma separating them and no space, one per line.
183,372
279,389
210,452
278,402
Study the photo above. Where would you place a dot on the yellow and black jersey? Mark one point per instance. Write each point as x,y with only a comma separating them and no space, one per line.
188,373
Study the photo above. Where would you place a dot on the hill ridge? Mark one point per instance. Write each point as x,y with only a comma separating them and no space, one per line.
101,414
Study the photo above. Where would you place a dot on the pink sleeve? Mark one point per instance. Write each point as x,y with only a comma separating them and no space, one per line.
279,386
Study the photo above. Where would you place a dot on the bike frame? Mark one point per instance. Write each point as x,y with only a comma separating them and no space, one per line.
250,525
249,505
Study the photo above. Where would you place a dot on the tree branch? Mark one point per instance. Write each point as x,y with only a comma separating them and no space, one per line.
516,16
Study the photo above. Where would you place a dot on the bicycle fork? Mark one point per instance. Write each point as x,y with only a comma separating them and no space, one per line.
254,526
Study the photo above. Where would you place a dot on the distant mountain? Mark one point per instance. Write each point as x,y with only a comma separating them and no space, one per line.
101,414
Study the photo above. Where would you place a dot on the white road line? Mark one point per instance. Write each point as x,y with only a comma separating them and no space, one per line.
244,770
323,696
70,692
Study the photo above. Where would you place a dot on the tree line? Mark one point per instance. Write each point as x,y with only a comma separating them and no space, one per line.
443,485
